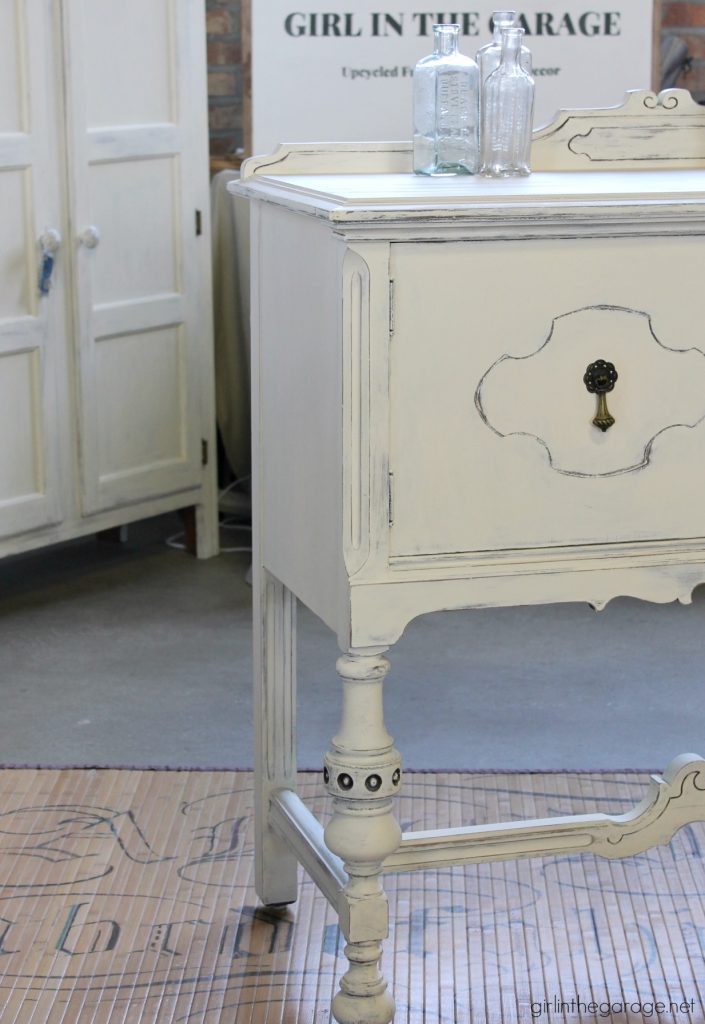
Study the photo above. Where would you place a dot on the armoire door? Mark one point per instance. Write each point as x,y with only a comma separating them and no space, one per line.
138,183
32,356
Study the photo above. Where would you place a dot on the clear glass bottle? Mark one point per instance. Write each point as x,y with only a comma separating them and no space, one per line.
446,108
488,57
508,113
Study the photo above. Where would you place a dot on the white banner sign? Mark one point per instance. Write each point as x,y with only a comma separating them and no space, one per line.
334,70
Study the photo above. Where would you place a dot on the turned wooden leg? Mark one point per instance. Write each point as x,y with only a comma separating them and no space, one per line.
363,773
275,730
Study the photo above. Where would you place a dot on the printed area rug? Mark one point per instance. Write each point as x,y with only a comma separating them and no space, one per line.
127,897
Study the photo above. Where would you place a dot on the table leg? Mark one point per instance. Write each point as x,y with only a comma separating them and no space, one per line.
363,773
275,730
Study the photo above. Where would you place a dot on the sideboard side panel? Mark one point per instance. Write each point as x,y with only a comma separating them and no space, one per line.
298,332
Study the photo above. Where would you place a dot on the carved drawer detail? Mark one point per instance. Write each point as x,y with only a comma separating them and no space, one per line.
543,394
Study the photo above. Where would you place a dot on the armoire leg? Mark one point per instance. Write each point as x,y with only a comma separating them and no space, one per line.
206,528
275,730
363,773
201,530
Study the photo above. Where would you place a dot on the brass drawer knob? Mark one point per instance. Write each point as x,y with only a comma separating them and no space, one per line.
600,377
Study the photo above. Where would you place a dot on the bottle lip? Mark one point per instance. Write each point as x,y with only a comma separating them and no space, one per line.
446,39
504,16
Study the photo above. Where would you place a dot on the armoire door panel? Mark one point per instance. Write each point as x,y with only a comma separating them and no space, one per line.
145,31
149,431
133,202
21,456
33,439
135,157
116,318
12,86
106,144
18,258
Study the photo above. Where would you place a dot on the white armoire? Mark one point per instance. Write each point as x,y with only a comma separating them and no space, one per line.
106,351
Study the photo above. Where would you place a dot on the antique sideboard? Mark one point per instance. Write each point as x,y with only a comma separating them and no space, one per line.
467,392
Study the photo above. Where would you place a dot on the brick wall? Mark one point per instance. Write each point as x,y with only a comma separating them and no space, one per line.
686,19
682,18
223,25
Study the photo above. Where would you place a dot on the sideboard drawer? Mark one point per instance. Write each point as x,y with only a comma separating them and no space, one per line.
493,445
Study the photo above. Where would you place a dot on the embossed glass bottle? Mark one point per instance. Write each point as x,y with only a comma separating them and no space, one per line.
508,113
446,108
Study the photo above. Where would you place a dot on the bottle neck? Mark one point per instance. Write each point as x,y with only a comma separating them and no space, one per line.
445,38
511,46
501,21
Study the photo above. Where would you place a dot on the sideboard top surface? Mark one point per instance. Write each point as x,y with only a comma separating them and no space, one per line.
643,200
647,153
405,189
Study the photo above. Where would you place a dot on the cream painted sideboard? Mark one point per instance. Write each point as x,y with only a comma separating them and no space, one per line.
106,376
438,426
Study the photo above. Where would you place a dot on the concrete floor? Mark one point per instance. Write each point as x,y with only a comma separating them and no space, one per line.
140,655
